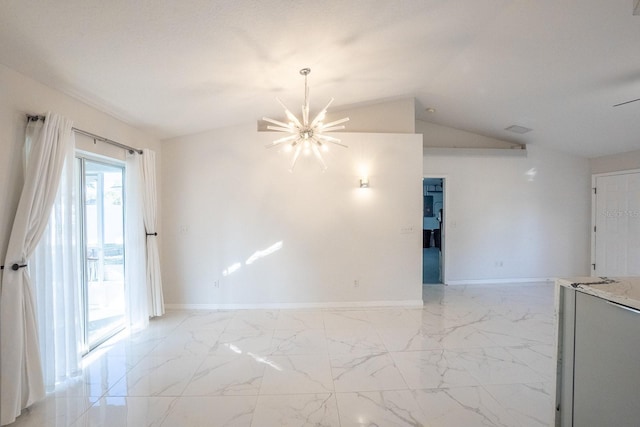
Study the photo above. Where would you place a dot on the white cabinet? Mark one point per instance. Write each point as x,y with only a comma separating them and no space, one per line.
599,363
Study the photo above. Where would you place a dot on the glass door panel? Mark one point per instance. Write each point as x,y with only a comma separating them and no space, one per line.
104,249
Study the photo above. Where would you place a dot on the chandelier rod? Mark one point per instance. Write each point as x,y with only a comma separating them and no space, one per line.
305,72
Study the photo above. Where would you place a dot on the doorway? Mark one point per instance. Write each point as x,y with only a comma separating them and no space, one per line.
101,206
433,191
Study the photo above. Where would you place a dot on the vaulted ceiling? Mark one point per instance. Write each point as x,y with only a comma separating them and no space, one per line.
175,67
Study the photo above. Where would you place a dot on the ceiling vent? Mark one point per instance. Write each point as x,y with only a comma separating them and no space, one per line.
518,129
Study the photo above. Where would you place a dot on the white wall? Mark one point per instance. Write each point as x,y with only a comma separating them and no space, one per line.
20,95
227,197
616,162
443,136
529,210
392,116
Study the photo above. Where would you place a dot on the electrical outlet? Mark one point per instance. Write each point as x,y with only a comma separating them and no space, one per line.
216,283
356,283
406,229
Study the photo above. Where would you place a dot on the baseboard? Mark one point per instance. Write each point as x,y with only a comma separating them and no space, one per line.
500,281
304,305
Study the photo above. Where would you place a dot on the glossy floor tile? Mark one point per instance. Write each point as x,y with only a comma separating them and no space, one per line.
472,356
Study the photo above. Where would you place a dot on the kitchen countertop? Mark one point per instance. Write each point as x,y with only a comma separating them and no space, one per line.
622,290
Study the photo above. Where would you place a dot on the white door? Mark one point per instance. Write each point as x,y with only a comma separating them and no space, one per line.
617,225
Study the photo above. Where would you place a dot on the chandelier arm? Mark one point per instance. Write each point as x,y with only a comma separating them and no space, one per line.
316,152
293,119
321,114
338,144
278,128
337,122
286,139
281,141
331,129
296,154
329,139
275,122
289,114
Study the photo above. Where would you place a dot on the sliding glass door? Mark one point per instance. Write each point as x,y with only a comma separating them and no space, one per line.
102,200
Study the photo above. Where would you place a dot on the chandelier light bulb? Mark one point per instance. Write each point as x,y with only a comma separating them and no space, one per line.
306,135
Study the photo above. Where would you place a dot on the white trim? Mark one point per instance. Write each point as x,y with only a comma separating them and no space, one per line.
302,305
480,152
501,281
99,158
623,172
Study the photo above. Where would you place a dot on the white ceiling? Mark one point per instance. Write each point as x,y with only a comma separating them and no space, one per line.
175,67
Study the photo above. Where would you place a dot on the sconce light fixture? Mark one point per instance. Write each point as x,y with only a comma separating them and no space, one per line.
364,182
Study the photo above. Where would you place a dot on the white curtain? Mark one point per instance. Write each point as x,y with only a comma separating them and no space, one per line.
149,198
135,263
21,380
55,272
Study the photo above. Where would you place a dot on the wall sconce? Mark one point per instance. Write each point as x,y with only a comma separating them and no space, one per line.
364,182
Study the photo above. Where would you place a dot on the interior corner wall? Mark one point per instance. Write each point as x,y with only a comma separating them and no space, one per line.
616,162
514,218
20,95
439,136
246,232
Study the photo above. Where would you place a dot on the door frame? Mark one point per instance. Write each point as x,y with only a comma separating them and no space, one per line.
445,229
84,156
594,178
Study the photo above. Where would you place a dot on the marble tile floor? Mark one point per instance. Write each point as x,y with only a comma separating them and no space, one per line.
472,356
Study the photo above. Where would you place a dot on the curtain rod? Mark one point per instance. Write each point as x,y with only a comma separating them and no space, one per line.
34,118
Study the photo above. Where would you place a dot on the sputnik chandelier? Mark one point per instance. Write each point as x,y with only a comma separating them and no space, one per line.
306,136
